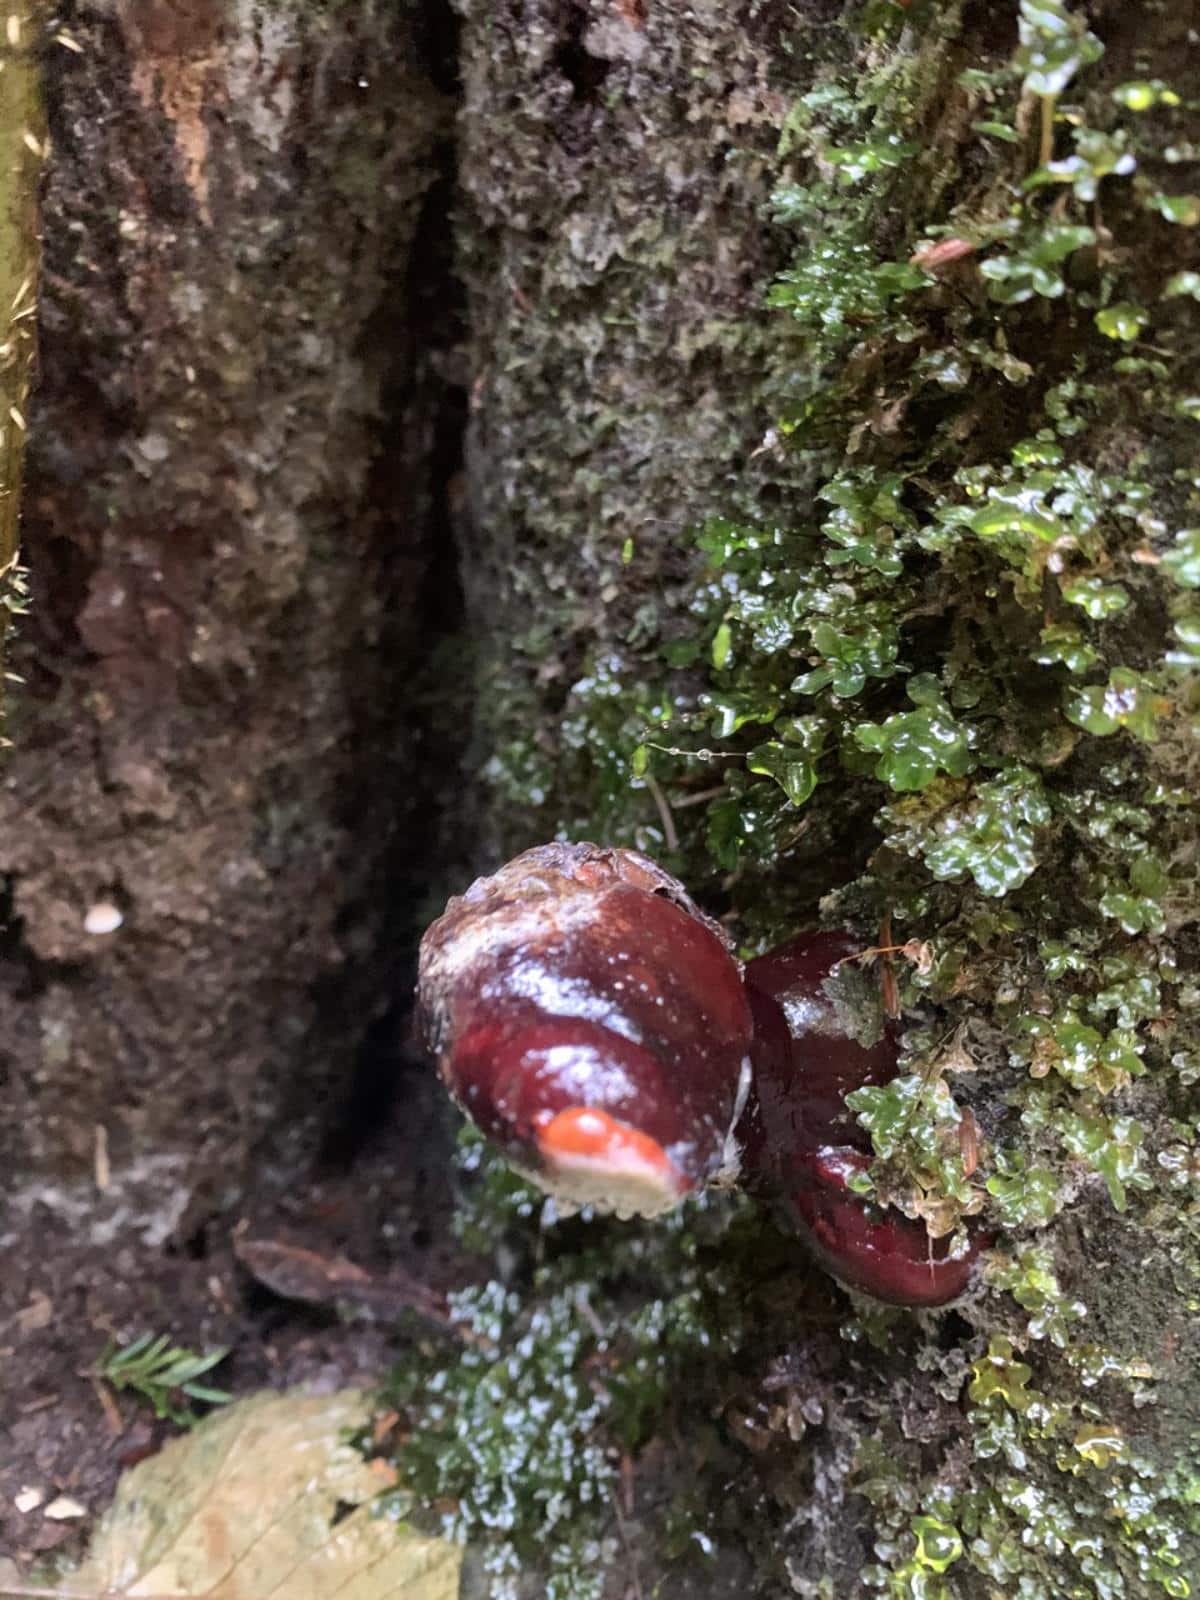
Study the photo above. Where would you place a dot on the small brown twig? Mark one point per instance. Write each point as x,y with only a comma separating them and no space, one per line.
697,798
635,1581
664,810
1046,148
112,1413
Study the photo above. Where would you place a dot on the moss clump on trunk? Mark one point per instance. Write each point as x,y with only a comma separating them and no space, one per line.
933,674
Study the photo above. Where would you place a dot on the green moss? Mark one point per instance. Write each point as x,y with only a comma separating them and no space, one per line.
606,1336
932,668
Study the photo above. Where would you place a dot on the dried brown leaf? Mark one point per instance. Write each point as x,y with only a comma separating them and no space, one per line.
299,1274
252,1505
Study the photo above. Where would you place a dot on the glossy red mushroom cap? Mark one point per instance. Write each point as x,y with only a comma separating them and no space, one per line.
593,1023
815,1041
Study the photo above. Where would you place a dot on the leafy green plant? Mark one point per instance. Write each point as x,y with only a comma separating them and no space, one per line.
914,746
160,1372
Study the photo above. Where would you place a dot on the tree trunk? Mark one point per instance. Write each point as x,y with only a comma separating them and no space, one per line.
629,387
231,528
302,483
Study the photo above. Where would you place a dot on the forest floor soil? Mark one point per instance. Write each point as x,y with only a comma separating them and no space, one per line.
382,1201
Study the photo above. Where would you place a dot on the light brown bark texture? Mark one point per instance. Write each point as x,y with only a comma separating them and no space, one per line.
22,147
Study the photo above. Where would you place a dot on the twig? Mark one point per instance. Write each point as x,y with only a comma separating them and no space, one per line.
888,987
112,1414
664,810
101,1163
40,1403
1046,152
795,836
698,798
623,1533
869,954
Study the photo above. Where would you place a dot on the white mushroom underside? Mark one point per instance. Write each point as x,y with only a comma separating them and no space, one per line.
621,1186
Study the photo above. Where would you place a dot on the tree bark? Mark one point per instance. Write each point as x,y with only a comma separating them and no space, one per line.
262,583
617,161
230,529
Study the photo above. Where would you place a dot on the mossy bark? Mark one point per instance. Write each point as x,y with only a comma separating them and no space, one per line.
615,163
219,739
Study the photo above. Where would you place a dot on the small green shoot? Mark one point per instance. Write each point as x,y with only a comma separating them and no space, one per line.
161,1372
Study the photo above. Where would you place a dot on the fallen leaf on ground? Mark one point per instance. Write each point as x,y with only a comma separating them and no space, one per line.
299,1274
264,1500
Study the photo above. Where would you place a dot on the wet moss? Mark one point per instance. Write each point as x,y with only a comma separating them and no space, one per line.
601,1338
928,672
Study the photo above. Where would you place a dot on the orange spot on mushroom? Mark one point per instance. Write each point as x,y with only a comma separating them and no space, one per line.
582,1133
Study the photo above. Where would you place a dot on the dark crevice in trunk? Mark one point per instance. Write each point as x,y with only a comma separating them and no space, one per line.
410,749
582,70
411,703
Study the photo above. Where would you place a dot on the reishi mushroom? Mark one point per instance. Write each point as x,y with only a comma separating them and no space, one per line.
590,1019
596,1026
805,1146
